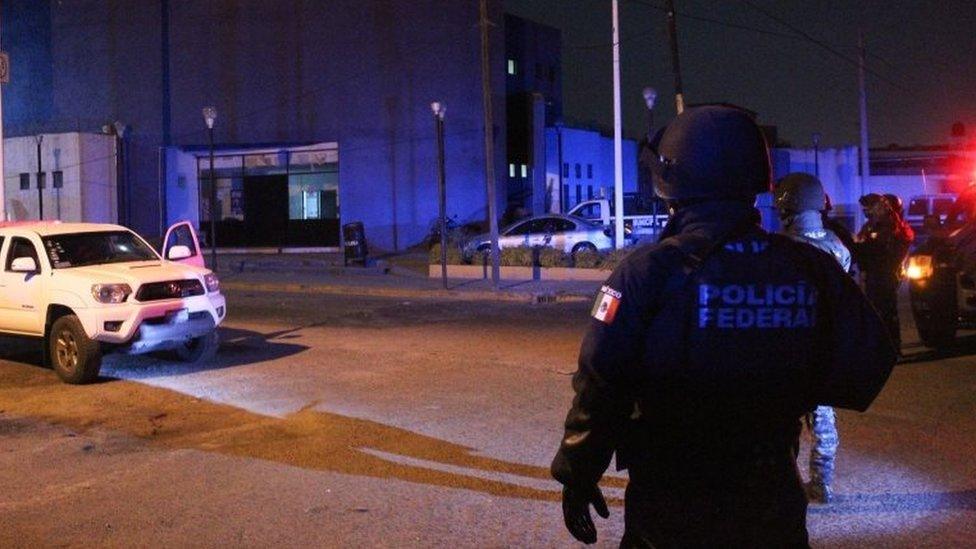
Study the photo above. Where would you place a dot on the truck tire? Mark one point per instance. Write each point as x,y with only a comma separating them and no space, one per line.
199,349
75,357
582,247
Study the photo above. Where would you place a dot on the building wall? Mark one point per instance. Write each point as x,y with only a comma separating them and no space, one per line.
87,165
358,72
589,150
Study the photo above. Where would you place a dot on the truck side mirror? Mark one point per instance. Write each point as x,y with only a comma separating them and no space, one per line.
178,252
24,265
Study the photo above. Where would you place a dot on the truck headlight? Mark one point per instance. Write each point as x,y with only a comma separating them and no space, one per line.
212,282
111,293
919,267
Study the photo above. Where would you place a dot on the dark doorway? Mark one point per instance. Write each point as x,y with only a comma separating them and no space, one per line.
265,209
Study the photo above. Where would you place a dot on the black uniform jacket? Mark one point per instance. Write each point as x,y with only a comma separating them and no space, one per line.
686,364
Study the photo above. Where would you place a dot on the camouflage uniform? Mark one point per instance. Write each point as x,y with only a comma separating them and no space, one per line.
808,227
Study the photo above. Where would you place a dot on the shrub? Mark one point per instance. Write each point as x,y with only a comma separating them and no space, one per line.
551,257
588,259
615,257
517,257
453,254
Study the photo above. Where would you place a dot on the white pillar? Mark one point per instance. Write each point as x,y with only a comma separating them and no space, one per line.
618,176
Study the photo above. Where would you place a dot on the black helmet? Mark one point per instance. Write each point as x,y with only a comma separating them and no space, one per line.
895,203
799,192
710,152
871,199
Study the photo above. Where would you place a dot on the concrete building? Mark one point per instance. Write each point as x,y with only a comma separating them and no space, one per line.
77,183
323,108
579,166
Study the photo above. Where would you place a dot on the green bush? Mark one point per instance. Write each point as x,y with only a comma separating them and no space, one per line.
516,257
588,259
453,254
551,257
615,257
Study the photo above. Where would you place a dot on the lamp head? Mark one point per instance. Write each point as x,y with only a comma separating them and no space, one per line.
210,115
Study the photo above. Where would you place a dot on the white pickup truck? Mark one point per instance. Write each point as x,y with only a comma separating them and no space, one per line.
86,289
641,225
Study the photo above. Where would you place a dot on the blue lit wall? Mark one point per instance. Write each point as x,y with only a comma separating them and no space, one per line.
358,72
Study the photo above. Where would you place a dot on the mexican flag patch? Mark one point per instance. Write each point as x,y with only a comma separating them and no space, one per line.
607,302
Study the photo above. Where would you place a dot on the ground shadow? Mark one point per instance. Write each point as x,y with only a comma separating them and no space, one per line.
960,347
237,348
961,500
308,439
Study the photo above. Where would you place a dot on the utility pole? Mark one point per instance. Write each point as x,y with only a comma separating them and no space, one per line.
4,77
39,138
618,157
816,154
679,96
210,116
439,110
489,144
863,99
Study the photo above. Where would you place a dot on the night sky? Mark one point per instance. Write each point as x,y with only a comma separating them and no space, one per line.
924,50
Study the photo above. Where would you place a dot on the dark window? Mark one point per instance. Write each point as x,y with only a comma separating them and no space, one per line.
589,192
565,169
522,228
57,179
941,206
918,206
563,225
21,247
24,181
589,171
41,177
579,172
590,211
579,194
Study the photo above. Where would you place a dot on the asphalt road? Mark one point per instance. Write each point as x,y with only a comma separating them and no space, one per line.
345,421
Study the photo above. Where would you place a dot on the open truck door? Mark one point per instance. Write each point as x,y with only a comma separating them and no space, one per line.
182,245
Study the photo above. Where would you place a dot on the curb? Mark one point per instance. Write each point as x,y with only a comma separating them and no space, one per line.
455,295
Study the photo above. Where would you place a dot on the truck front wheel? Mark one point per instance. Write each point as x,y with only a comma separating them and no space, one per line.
75,357
199,349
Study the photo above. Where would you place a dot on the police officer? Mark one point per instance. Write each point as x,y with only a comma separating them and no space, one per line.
705,350
800,200
882,246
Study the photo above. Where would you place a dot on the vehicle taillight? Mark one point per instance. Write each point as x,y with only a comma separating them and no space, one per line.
919,267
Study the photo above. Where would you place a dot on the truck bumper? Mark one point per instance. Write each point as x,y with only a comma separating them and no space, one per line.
146,327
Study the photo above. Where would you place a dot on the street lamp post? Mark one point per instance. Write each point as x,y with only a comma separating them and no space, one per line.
816,154
439,109
210,116
40,179
122,200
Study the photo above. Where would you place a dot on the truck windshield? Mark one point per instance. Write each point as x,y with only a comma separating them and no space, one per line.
98,248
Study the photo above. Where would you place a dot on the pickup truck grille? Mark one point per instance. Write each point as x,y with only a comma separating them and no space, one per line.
173,289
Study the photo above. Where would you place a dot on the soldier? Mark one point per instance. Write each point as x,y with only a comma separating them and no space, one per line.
800,200
705,350
881,248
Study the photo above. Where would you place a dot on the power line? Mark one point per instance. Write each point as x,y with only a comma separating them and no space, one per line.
800,32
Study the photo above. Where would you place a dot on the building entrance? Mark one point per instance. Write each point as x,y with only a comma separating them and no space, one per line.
281,198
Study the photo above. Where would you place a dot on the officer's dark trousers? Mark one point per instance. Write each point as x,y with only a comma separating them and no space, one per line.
748,505
882,292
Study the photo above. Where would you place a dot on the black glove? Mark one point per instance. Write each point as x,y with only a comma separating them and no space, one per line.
576,511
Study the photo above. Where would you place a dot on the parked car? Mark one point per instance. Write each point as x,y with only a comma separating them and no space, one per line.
926,205
570,234
942,282
644,222
86,289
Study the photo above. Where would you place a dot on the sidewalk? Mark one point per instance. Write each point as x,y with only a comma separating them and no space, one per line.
326,276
